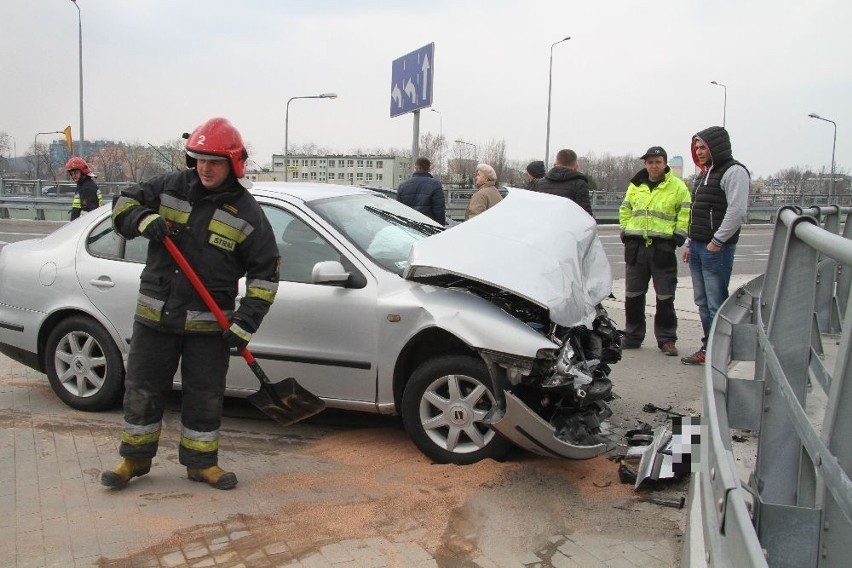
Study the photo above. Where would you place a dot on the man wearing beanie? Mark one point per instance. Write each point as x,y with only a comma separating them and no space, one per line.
719,203
654,218
535,171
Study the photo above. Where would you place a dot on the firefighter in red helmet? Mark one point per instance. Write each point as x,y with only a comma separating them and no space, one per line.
87,197
224,234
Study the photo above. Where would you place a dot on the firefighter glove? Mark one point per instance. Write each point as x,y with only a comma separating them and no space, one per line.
154,228
236,337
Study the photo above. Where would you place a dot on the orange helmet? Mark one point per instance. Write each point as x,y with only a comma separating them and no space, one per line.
76,163
218,139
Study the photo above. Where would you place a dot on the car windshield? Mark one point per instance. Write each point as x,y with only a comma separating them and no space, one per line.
382,228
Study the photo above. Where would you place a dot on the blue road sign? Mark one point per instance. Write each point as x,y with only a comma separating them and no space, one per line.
411,81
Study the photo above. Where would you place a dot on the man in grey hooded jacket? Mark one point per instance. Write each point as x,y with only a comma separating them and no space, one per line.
719,202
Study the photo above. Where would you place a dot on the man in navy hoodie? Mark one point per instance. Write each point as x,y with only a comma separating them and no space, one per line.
423,193
719,202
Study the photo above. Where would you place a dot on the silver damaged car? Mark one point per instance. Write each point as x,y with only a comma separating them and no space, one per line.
483,336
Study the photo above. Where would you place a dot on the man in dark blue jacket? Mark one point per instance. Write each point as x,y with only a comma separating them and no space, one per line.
423,193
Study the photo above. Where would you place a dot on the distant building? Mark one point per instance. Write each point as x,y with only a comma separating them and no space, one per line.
676,164
371,171
59,154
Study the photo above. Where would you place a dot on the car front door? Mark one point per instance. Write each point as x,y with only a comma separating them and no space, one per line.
323,336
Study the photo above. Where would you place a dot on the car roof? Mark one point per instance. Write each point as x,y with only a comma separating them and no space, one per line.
305,191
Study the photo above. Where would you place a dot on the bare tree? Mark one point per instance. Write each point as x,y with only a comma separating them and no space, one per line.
462,165
5,149
41,163
608,173
494,154
308,149
433,147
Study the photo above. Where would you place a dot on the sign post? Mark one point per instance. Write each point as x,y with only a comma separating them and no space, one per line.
411,87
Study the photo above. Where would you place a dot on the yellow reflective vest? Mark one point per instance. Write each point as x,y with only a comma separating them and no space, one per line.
659,213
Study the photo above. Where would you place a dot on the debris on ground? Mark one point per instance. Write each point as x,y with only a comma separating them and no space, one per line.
675,503
664,453
650,407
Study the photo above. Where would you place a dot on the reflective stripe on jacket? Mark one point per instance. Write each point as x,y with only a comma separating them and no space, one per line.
224,236
659,213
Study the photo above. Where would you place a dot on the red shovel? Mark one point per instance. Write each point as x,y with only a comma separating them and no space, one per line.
286,402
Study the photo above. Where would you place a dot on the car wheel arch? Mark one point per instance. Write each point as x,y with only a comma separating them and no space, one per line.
56,318
426,344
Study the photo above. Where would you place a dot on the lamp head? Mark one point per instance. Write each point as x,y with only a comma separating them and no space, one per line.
328,96
814,115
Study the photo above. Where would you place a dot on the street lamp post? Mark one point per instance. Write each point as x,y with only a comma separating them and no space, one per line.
35,147
287,124
725,100
833,146
80,43
475,149
441,139
549,91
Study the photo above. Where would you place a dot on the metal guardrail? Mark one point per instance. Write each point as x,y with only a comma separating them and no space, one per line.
44,200
796,508
25,199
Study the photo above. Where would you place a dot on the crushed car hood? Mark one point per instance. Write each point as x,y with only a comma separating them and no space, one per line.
543,248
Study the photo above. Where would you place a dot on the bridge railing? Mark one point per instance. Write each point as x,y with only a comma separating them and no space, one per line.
44,200
795,509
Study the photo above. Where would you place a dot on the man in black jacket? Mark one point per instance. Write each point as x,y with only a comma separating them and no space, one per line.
224,235
423,193
564,179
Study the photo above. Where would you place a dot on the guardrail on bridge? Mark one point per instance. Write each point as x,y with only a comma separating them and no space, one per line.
796,508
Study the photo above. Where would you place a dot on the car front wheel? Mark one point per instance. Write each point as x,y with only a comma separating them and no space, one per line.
444,407
84,365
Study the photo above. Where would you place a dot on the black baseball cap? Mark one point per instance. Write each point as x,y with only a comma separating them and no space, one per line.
655,151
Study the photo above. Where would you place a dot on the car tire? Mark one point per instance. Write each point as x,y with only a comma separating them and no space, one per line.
443,408
83,365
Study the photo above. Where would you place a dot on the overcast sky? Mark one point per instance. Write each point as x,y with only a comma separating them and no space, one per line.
634,74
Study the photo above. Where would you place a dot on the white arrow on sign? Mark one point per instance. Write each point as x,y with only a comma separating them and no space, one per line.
425,69
396,95
411,91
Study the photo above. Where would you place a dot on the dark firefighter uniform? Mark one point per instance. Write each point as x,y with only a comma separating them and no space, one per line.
87,197
224,235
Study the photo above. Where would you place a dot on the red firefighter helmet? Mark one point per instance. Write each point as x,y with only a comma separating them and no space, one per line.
76,163
218,139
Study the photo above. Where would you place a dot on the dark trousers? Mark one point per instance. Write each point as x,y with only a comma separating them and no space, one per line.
657,263
151,367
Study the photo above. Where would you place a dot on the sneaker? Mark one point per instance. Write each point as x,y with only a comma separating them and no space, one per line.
630,344
696,358
669,348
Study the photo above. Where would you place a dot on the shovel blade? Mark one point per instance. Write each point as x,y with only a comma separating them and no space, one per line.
286,402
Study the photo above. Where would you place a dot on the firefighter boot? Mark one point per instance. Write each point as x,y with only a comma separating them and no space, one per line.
126,470
213,475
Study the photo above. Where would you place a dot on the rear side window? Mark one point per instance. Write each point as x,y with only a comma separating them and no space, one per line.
104,242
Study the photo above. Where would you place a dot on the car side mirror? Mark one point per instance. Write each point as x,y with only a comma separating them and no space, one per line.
329,272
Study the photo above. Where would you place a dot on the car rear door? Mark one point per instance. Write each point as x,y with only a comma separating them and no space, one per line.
108,269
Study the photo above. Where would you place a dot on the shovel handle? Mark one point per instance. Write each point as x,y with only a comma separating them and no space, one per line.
202,291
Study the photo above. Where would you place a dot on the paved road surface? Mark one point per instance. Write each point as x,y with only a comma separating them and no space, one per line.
341,490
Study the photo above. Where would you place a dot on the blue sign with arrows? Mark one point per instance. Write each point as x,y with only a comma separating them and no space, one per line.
411,81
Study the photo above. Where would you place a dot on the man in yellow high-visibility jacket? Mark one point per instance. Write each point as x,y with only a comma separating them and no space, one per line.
654,219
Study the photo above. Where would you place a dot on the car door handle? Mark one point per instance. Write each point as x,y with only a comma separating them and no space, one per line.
98,283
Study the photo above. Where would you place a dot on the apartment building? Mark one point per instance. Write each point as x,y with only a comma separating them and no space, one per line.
372,171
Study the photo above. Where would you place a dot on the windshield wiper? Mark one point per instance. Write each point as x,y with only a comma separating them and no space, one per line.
424,228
